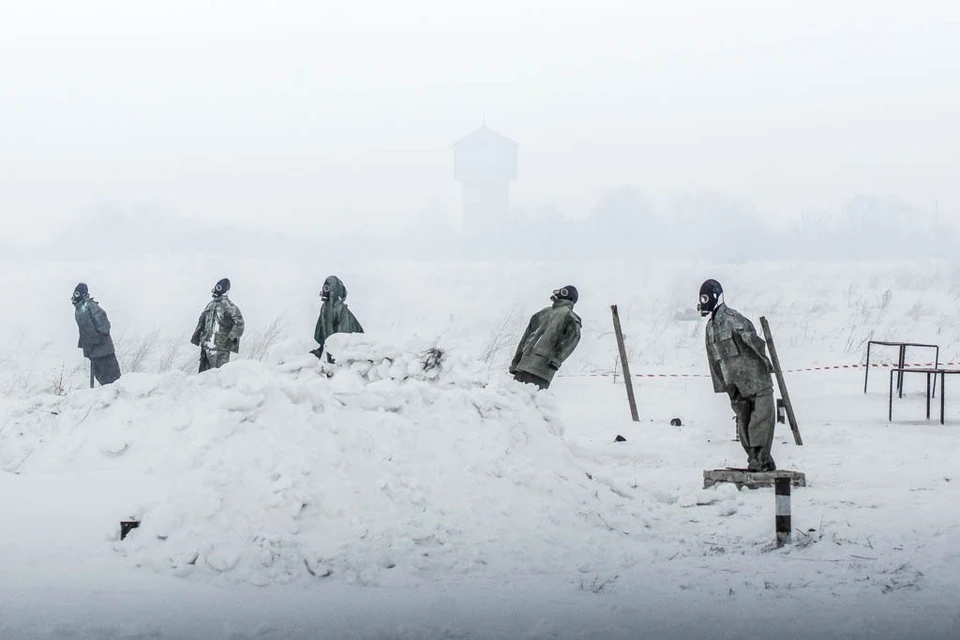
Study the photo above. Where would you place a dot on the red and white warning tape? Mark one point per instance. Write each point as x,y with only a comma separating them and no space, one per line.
874,364
823,368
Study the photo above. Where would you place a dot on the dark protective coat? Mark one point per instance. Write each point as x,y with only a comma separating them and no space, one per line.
106,370
94,329
220,326
212,359
551,336
740,368
736,354
335,316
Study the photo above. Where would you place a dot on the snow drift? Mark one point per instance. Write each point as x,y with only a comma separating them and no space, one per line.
394,460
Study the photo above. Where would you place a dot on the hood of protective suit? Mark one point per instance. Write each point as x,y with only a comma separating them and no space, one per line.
334,289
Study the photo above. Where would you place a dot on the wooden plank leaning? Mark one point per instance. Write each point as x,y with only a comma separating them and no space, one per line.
781,383
628,381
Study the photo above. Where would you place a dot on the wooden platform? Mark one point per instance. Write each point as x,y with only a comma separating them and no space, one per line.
751,479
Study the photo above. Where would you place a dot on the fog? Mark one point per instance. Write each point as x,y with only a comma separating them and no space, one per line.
738,129
803,153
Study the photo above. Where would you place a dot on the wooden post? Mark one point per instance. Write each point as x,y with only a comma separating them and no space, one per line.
782,514
628,381
778,371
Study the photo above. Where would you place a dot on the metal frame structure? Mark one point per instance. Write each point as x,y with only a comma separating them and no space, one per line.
930,373
901,360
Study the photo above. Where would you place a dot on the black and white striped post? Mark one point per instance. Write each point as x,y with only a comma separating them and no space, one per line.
782,490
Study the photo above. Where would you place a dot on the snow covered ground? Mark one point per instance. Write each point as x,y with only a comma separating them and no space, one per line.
388,497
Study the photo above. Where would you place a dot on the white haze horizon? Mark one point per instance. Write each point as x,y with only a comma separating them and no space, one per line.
337,120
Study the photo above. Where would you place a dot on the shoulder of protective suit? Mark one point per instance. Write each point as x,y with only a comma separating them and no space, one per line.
732,317
563,308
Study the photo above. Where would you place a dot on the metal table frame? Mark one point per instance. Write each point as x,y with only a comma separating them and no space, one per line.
930,373
901,360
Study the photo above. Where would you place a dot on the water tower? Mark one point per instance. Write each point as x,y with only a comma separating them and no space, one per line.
485,162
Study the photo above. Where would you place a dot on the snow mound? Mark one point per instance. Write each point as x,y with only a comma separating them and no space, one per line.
394,460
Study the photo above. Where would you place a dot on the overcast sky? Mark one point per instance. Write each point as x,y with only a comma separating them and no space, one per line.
328,115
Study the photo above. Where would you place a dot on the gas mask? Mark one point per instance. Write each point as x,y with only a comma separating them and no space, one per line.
79,293
568,292
221,288
710,294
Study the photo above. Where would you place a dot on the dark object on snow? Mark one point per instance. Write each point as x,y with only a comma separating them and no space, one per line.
95,340
126,526
551,336
335,316
619,439
432,359
676,422
219,329
740,368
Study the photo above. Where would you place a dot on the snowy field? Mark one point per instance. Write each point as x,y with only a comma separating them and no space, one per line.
414,490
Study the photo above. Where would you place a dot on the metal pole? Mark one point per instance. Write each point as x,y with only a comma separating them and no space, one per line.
628,381
936,365
903,361
866,369
890,399
943,392
782,490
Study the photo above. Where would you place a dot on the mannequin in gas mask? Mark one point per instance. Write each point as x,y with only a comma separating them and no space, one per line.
739,366
219,328
551,336
95,337
335,316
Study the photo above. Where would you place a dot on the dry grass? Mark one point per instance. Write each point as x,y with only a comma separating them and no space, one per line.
135,354
503,336
264,339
